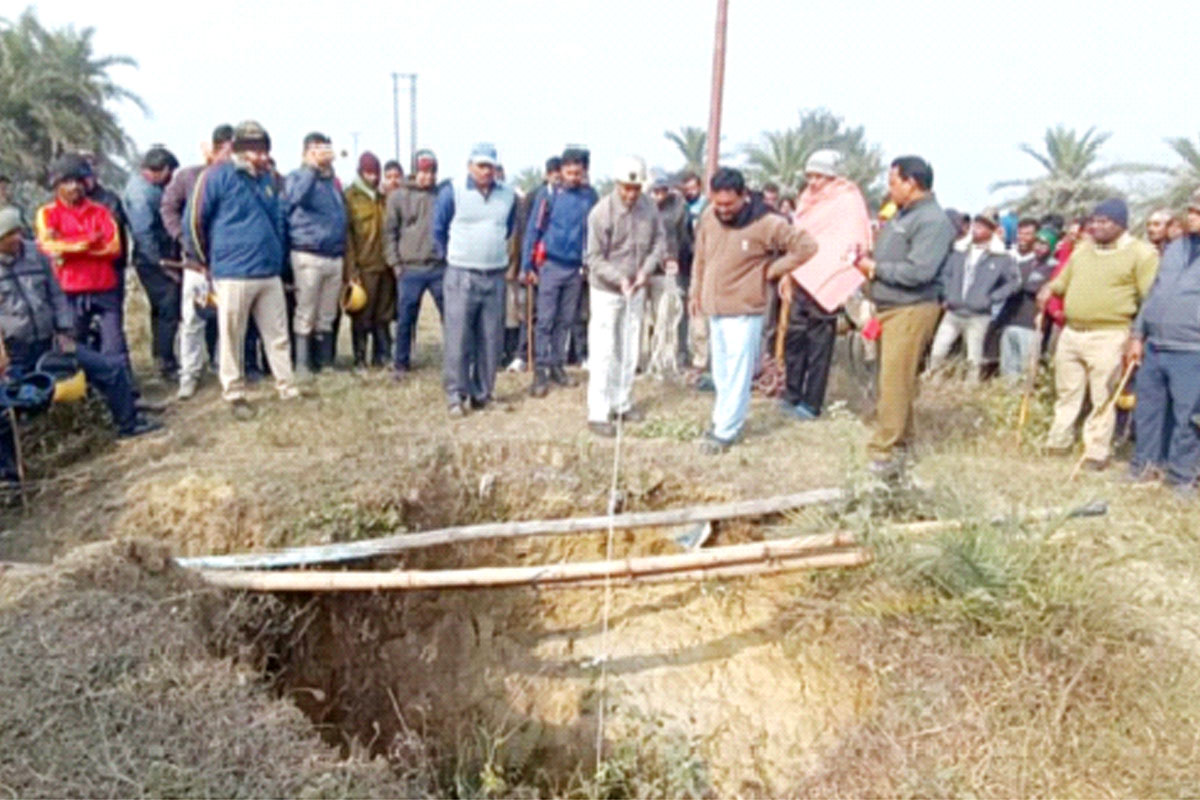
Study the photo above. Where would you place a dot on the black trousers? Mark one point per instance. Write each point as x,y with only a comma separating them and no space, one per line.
165,296
808,353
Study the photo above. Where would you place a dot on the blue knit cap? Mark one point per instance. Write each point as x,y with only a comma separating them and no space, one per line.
1115,209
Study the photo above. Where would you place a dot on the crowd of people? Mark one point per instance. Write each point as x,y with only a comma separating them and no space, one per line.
250,272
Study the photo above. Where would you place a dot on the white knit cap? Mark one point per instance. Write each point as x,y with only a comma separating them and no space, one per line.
823,162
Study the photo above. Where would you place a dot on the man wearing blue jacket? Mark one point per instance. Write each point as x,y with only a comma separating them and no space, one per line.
1166,342
552,258
472,221
316,216
235,226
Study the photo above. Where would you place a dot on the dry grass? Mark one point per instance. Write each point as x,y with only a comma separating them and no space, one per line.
1025,659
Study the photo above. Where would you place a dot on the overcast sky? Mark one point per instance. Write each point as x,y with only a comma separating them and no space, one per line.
949,81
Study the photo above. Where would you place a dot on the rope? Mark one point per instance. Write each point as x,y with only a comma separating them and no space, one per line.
608,550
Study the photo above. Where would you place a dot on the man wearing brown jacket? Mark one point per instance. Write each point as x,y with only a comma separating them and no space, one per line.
740,245
365,264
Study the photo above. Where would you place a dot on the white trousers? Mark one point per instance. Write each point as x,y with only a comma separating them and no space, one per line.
614,327
318,289
237,302
192,343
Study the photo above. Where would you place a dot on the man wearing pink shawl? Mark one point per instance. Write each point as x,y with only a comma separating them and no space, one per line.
833,211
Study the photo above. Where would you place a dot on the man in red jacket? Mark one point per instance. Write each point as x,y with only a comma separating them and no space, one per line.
81,239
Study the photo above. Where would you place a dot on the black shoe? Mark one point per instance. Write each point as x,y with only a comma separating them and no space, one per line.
479,403
605,429
140,427
541,383
560,376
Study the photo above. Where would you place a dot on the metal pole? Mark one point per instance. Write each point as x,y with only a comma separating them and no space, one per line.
718,87
396,112
412,119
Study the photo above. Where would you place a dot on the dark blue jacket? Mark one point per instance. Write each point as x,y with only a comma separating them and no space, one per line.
316,213
558,217
234,223
32,305
1170,317
151,242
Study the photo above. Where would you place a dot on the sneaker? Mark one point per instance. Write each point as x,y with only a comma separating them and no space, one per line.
516,365
457,411
713,446
605,429
290,393
242,410
799,411
141,427
187,390
559,375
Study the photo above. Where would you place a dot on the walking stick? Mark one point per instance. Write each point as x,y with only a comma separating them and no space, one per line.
1107,404
16,435
1031,372
528,327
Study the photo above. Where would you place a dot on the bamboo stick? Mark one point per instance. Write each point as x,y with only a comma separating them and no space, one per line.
844,557
372,579
370,548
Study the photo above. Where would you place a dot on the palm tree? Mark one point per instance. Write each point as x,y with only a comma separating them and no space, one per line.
528,180
1072,183
691,142
1185,176
782,155
54,97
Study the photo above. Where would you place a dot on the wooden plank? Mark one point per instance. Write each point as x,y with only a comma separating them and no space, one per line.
370,548
382,580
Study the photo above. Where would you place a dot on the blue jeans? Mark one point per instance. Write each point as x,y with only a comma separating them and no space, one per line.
1168,391
412,288
734,343
1017,345
98,321
559,288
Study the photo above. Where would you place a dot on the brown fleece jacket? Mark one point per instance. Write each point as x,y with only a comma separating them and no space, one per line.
734,262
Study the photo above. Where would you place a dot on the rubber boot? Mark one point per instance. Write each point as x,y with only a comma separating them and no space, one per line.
325,351
303,347
358,340
382,337
541,382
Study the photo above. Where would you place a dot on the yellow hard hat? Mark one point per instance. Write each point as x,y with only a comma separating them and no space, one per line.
1126,401
354,297
72,389
887,211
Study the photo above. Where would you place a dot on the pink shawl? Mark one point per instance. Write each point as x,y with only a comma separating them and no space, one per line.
837,218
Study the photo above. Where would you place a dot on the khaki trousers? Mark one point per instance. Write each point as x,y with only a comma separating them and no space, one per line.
237,302
318,290
906,332
1086,363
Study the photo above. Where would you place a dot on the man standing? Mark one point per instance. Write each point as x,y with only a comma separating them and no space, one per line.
1156,229
1020,339
236,228
693,331
196,331
665,295
624,246
411,253
1102,287
365,264
152,244
905,286
393,177
1166,342
81,238
740,245
473,219
980,275
35,319
552,258
316,214
550,181
833,211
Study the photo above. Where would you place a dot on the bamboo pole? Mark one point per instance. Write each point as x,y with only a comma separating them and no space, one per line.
370,548
844,558
493,577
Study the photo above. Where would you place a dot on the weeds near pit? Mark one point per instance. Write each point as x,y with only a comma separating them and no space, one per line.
679,429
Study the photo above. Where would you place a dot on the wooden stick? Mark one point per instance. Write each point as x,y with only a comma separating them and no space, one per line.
781,324
1035,360
490,577
16,435
1103,408
849,557
369,548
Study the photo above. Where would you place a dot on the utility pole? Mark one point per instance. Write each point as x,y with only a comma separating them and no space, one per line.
412,113
354,135
718,88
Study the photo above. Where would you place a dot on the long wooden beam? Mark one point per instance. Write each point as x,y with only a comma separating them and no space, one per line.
811,547
371,548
